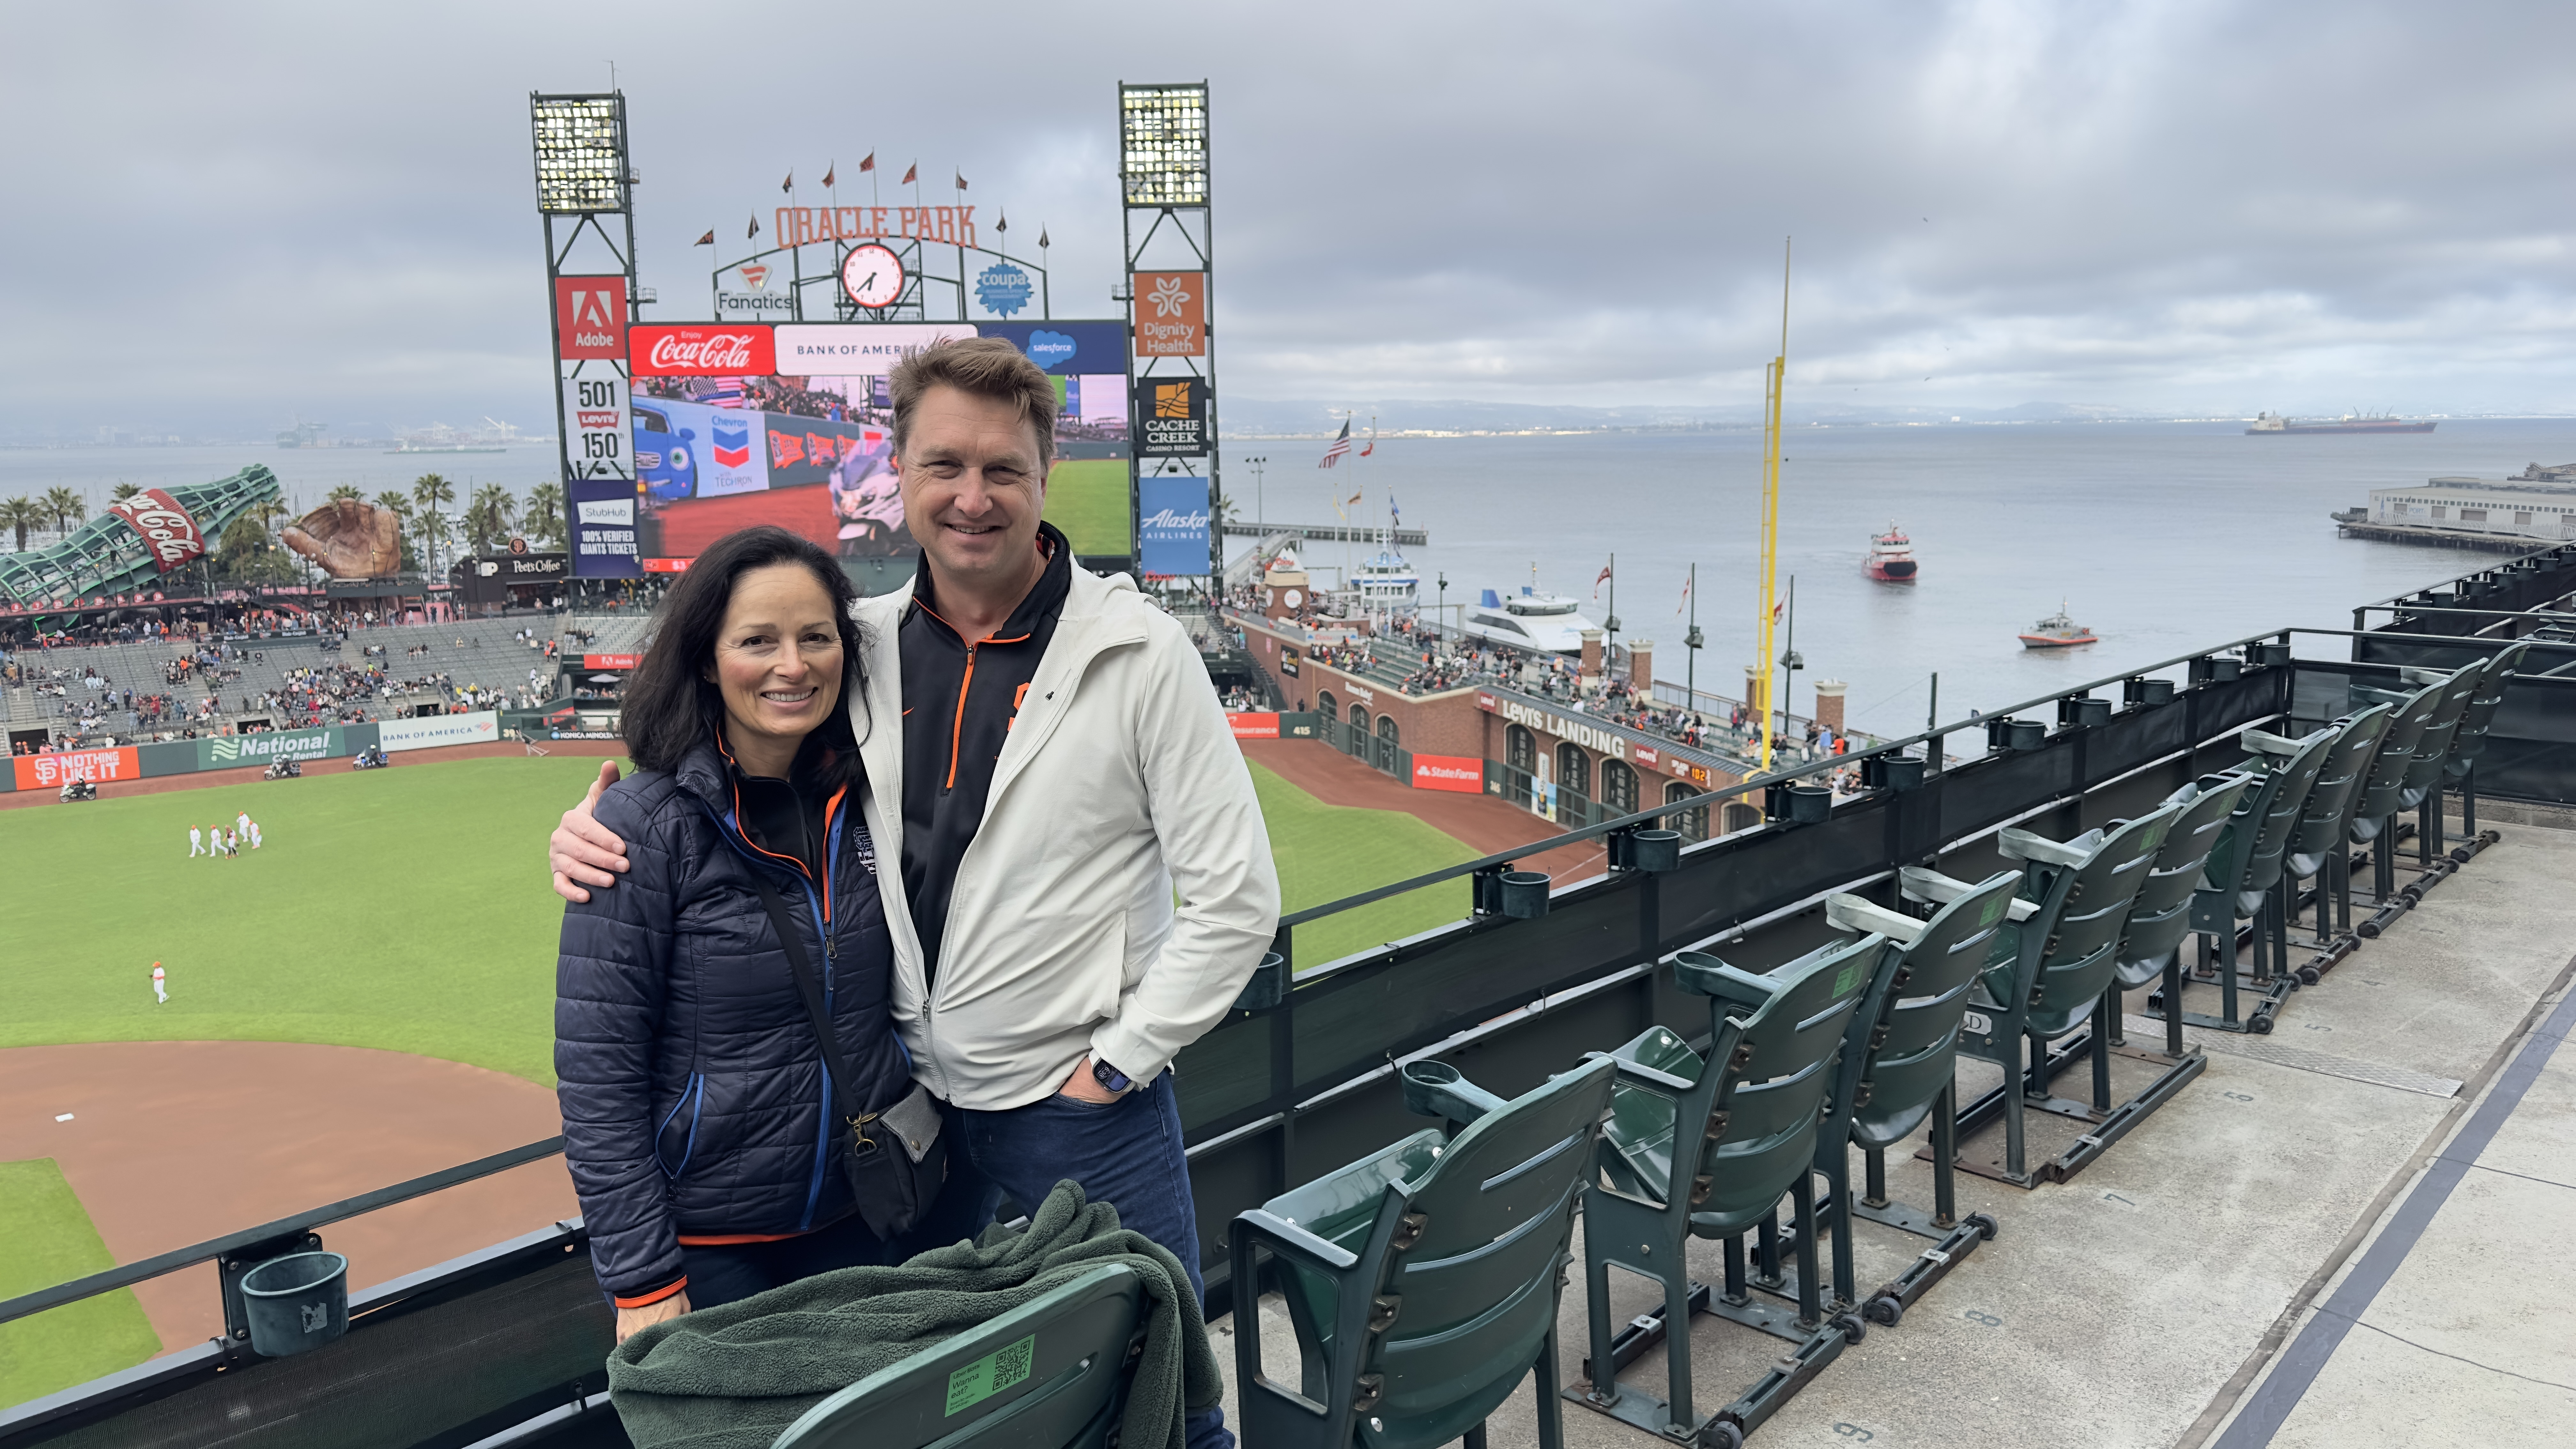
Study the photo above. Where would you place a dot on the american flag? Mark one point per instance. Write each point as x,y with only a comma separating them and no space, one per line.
727,393
1341,446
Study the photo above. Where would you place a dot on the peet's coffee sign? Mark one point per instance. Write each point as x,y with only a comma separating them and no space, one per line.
1171,417
528,568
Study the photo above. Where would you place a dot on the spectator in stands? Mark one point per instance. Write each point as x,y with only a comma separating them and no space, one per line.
1061,976
698,1122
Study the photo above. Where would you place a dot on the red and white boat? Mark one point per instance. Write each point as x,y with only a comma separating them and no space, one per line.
2058,631
1891,556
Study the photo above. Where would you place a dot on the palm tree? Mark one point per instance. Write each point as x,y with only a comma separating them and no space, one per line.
429,491
490,517
545,514
346,490
65,507
21,514
123,491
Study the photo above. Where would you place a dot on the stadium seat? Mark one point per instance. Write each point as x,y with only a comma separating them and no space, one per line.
1706,1147
1422,1281
1052,1372
2248,861
2375,812
1897,1071
2160,916
2316,844
2048,969
2470,740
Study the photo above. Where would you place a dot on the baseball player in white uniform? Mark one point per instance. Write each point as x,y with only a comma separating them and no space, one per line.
160,985
254,835
195,849
241,823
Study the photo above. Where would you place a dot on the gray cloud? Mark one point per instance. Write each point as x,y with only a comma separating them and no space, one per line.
226,216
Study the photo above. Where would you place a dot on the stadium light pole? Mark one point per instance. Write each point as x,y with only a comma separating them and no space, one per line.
1163,188
585,181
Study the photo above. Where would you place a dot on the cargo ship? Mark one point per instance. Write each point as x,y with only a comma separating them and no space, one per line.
2348,423
1891,556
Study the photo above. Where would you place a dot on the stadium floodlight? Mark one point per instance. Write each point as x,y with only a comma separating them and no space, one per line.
1163,138
581,153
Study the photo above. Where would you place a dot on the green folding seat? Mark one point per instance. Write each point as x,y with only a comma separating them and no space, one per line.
2253,850
2470,739
2160,916
1422,1281
1052,1373
2326,819
2433,750
1898,1071
2047,970
2375,812
1706,1147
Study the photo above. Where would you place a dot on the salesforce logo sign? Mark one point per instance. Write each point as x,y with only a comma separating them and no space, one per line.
1050,350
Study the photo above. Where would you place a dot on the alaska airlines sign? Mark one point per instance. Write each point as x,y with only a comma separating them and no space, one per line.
1591,737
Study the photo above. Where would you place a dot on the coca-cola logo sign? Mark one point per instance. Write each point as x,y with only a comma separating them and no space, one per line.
744,351
173,536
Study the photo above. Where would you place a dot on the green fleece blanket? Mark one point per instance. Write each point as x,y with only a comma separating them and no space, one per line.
736,1376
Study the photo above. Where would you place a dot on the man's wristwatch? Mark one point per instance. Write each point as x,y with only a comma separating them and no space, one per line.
1112,1080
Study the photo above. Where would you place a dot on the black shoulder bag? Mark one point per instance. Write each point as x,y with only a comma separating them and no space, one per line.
895,1157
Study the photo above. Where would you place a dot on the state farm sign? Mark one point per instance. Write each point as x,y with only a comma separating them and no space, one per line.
172,534
590,317
701,351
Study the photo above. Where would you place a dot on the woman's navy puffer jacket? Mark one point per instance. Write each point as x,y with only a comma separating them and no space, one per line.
693,1093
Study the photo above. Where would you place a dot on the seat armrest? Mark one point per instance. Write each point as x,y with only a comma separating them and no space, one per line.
2421,677
2267,743
1918,883
1291,1241
1847,912
2021,910
1632,1074
1708,976
2022,845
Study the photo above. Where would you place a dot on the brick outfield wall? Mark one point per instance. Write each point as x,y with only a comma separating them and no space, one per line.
1445,724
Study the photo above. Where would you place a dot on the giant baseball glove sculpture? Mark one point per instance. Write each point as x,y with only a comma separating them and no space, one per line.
349,539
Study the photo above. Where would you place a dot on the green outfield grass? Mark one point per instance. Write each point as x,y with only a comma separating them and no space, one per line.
50,1241
408,909
404,908
1326,852
1087,498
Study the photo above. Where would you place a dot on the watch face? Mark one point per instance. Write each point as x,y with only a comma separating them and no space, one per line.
872,276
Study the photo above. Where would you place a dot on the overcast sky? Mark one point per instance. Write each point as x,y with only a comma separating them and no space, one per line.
223,217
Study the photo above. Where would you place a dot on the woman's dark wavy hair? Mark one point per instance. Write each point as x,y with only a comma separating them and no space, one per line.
670,706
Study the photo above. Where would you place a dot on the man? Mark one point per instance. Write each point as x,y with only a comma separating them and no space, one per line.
160,985
195,849
1065,729
241,823
254,835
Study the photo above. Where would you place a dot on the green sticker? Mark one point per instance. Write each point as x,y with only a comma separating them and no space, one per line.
1994,908
1850,976
991,1374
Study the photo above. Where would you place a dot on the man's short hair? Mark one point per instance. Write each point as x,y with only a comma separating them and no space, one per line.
986,367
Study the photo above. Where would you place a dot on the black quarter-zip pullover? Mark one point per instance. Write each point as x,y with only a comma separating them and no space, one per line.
960,698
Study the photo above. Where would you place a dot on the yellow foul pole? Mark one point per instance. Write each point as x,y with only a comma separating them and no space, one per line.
1775,378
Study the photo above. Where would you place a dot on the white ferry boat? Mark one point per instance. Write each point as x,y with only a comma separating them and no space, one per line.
1548,623
1384,581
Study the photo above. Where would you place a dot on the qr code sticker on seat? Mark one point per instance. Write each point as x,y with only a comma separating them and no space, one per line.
991,1374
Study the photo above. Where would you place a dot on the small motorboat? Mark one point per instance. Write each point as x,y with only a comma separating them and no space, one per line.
2058,631
1891,556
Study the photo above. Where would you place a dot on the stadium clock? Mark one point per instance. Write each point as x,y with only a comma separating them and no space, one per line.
872,276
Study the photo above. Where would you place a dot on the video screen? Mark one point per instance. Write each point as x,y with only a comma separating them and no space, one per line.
727,436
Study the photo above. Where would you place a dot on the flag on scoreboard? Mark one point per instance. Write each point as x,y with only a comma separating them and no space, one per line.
1341,447
706,241
829,172
911,174
868,162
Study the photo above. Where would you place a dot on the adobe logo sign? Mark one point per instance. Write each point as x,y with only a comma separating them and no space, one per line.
590,317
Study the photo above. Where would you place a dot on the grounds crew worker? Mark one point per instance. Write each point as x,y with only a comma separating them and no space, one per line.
1063,767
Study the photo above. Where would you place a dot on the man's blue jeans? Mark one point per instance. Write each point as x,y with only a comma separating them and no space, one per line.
1125,1153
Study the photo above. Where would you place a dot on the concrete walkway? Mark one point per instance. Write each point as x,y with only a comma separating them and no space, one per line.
2355,1231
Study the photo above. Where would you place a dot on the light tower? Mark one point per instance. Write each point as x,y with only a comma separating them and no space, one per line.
586,182
1163,189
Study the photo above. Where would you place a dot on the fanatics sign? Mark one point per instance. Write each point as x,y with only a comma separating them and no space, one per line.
702,351
590,318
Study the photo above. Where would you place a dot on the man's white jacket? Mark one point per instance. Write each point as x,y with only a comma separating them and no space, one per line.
1120,786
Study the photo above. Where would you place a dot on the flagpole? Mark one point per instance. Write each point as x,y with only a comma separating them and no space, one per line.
1690,646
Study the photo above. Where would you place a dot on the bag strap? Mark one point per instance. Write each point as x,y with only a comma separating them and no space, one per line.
810,987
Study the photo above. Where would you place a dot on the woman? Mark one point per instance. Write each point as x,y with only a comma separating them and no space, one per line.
698,1120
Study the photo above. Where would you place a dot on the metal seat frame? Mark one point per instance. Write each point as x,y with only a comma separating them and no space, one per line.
1744,1122
2050,974
2241,881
